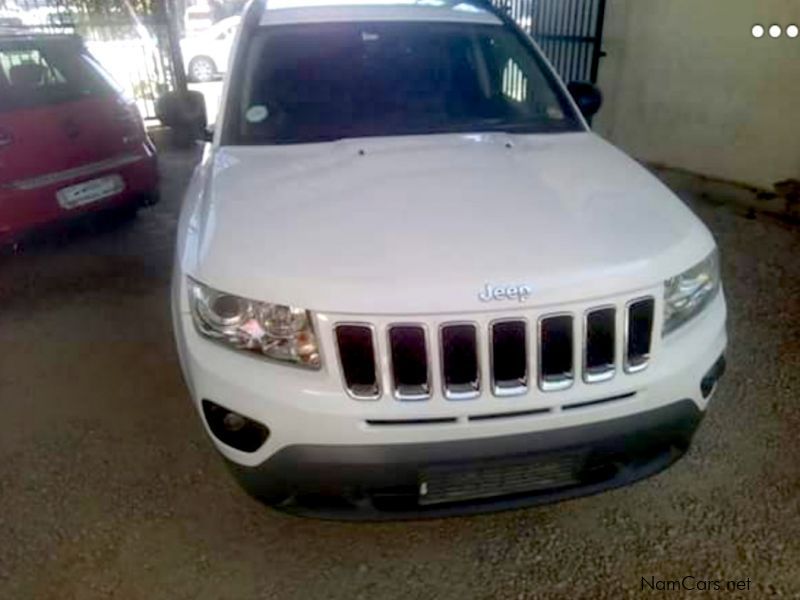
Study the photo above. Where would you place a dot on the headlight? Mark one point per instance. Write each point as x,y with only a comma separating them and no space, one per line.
688,293
273,330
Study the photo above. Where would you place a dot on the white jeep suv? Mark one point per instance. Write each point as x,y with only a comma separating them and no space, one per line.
410,280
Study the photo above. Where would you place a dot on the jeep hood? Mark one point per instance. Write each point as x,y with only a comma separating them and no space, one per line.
421,224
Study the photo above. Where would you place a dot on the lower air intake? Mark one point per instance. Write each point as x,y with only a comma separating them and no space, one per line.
439,487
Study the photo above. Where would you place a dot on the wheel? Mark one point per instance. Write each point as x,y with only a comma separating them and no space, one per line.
258,485
202,69
151,198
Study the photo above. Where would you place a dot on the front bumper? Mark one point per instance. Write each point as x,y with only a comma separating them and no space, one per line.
363,449
440,479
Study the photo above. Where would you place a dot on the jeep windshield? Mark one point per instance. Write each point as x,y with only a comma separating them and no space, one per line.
319,82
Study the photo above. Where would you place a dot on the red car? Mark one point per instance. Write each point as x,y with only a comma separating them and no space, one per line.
70,141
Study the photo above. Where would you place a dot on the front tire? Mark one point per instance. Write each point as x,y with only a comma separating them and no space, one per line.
120,215
260,487
202,69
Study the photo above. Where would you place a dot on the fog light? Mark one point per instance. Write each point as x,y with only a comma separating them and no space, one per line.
234,429
712,377
233,422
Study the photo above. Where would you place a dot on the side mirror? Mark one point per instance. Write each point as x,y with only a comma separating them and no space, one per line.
587,96
185,112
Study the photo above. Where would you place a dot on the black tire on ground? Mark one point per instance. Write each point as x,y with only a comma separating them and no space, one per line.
123,214
151,198
270,498
263,489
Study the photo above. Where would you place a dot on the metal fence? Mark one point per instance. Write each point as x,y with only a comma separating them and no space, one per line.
569,32
128,37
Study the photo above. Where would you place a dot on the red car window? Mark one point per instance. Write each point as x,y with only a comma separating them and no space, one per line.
34,73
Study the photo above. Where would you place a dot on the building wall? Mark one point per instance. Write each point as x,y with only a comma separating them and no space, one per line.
687,85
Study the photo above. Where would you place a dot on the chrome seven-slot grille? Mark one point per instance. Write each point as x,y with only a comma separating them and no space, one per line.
510,366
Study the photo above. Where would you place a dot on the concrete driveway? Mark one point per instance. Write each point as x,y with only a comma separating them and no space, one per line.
109,489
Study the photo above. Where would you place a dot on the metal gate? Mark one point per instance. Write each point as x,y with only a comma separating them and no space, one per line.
128,37
570,32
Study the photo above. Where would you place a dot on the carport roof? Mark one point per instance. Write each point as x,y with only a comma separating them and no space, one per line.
18,35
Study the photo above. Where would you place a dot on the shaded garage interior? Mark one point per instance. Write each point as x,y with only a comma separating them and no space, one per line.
108,487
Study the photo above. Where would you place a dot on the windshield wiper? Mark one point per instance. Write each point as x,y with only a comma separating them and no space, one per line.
542,125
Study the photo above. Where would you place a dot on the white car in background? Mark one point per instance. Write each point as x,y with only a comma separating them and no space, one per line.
32,13
205,54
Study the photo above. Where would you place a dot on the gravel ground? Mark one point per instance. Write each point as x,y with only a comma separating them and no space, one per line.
108,487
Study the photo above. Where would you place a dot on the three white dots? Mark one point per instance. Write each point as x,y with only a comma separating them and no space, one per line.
774,31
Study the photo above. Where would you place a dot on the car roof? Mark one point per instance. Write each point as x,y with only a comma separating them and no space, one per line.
285,12
215,29
227,21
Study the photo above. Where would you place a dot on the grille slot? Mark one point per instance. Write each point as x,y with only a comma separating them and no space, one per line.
638,334
556,370
598,359
509,358
357,356
409,357
460,371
